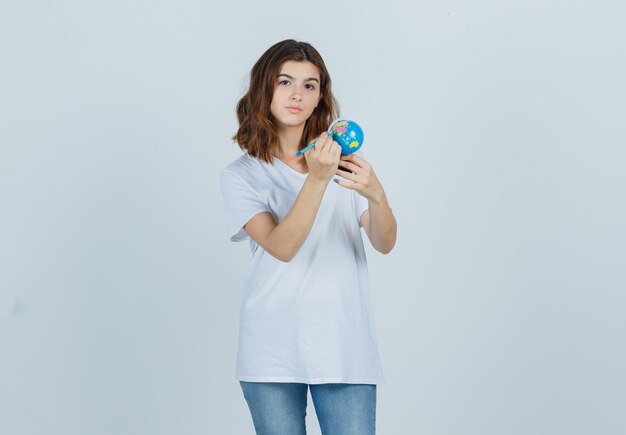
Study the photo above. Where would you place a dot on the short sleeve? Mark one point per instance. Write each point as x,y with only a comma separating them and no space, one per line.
242,203
360,203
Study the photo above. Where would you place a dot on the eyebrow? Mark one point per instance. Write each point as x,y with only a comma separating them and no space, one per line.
307,80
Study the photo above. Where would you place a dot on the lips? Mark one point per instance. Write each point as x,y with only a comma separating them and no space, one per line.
294,109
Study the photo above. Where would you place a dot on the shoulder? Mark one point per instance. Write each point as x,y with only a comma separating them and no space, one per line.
247,171
243,163
245,167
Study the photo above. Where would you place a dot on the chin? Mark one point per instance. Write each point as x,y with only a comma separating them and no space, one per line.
291,123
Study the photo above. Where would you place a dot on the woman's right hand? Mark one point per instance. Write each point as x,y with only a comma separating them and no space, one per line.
323,159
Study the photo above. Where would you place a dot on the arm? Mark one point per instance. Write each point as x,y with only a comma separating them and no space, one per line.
283,240
378,220
380,226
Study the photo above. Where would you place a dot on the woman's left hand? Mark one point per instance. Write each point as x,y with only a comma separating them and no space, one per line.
362,175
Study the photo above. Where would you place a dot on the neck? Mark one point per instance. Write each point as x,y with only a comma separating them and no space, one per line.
290,140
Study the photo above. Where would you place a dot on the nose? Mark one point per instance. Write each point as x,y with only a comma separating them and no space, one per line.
296,96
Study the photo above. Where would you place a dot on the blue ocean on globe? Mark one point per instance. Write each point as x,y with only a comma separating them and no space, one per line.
348,134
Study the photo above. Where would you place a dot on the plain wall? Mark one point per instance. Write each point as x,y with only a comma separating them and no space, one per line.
497,128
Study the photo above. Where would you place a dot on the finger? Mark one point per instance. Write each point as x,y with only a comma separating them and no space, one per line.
324,142
358,160
346,175
337,150
350,166
344,184
317,143
331,146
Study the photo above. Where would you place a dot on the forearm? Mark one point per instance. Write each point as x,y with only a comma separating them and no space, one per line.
289,235
382,224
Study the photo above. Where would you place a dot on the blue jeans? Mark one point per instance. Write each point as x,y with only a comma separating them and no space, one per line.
279,408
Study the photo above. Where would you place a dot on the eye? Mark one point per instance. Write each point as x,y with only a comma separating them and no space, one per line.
312,87
283,81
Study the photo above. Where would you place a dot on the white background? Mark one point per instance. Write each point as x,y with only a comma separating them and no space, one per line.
497,128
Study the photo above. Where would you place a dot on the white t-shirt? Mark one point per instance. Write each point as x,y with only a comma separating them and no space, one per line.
309,320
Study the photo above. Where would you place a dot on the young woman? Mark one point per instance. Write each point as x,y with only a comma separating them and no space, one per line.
306,319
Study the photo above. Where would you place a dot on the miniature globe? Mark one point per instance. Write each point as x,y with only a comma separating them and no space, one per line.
348,134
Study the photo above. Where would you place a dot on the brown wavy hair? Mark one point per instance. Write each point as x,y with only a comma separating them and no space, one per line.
258,133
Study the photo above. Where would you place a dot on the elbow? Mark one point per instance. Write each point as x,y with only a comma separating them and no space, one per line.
284,256
384,241
281,250
386,248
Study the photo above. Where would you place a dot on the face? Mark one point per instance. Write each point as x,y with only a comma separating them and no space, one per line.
296,87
